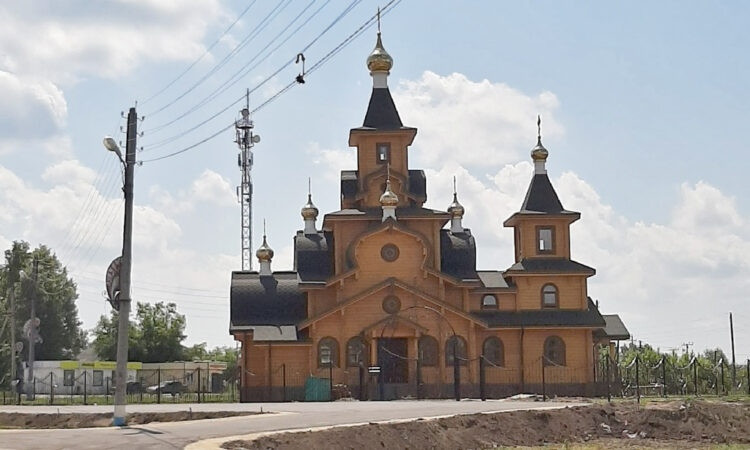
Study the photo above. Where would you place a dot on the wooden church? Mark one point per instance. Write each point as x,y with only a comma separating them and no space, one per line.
385,300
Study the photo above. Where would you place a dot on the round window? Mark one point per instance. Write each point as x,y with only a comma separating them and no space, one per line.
391,304
389,252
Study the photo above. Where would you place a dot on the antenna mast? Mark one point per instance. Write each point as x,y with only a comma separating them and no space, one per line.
245,140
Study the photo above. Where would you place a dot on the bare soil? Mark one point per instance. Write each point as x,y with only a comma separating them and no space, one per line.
19,420
678,424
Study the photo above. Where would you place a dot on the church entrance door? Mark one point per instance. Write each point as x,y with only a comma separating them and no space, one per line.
394,367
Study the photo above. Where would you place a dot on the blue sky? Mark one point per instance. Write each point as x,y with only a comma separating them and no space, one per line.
643,106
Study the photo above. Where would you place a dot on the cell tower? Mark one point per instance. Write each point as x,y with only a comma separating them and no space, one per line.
245,141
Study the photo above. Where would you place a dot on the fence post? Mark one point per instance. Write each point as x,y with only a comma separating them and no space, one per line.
85,388
283,381
695,376
637,382
158,385
330,379
544,383
361,369
143,388
664,375
106,390
482,379
199,384
51,389
723,388
456,371
419,377
609,383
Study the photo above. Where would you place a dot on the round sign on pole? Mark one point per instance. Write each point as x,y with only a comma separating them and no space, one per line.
112,281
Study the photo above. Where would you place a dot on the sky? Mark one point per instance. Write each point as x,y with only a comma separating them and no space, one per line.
644,109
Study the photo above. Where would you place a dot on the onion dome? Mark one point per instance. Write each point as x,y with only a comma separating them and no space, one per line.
388,198
264,253
539,153
309,211
456,209
379,60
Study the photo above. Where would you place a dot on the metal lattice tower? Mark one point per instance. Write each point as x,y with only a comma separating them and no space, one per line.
245,140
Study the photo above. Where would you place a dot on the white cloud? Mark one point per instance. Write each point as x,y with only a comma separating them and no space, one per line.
78,38
32,107
501,119
208,188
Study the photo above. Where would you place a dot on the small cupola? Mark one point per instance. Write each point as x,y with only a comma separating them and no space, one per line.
539,154
388,201
264,255
456,210
309,214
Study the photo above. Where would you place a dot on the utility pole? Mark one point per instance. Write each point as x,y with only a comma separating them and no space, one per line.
121,368
32,329
734,366
245,140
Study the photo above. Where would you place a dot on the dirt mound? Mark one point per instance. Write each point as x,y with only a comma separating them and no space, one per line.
698,422
18,420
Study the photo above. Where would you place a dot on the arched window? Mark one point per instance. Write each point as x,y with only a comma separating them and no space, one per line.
554,351
357,352
428,351
489,301
493,352
549,296
328,352
455,346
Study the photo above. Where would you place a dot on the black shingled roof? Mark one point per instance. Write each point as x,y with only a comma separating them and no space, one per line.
458,254
313,256
546,265
381,112
541,196
266,300
542,318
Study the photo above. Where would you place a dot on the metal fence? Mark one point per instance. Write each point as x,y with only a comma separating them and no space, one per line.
190,387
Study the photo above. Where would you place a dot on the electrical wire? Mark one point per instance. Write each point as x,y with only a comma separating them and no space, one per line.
389,7
264,23
243,71
287,63
208,50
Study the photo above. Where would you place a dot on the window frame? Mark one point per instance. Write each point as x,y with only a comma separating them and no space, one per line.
97,374
430,344
545,305
334,351
554,359
539,230
500,361
485,305
364,352
69,376
378,147
461,351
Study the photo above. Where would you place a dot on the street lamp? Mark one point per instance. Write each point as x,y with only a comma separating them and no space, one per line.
123,298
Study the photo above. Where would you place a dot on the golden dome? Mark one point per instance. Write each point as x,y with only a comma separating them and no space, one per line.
388,198
455,209
309,211
539,153
379,60
264,253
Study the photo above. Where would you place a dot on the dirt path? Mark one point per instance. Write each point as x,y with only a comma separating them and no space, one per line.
663,425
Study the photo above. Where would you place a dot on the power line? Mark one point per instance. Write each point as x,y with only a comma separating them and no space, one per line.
208,50
264,23
387,8
242,71
258,86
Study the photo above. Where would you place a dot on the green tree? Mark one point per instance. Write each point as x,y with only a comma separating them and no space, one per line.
155,335
59,327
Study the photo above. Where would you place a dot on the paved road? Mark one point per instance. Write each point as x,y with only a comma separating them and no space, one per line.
289,416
